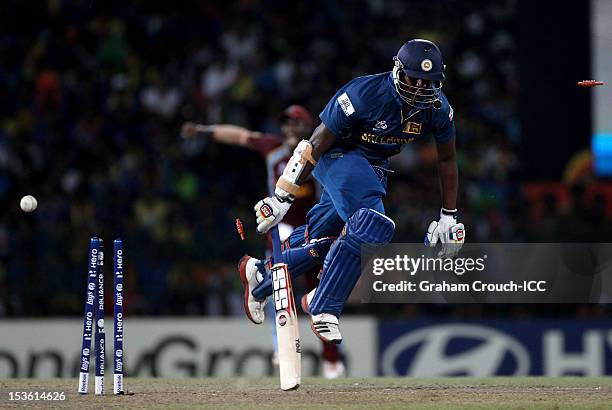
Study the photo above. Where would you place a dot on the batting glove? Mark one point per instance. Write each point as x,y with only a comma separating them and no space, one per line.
450,234
269,212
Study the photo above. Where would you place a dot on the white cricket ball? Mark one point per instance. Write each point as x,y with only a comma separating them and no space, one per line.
28,203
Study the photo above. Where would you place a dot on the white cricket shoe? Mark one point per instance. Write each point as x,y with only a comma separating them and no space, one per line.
253,308
324,325
333,370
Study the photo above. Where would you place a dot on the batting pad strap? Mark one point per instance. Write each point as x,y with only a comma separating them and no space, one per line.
286,184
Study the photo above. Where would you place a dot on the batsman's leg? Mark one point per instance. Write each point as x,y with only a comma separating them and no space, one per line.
356,190
301,259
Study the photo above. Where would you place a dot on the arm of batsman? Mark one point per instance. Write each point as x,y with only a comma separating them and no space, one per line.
269,212
449,233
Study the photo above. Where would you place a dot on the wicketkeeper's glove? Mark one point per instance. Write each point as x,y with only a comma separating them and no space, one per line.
446,230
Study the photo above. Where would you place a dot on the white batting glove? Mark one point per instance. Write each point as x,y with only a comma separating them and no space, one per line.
448,232
269,212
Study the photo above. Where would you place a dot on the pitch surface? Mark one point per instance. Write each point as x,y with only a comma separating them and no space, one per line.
381,393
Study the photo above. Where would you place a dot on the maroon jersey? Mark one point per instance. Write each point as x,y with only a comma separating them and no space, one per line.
276,155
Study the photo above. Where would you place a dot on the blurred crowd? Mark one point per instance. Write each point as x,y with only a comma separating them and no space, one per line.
92,95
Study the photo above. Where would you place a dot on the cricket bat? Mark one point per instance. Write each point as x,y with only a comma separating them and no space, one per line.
287,331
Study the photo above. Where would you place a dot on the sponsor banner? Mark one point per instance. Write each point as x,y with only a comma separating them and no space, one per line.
488,273
169,347
429,348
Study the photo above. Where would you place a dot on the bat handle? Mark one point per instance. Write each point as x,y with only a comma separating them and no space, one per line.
276,245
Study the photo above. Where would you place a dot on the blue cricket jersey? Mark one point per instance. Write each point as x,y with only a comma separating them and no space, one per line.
367,114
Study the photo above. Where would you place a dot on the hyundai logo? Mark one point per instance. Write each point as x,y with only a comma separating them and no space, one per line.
487,349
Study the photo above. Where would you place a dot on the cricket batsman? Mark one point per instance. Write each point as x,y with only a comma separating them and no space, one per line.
296,123
367,121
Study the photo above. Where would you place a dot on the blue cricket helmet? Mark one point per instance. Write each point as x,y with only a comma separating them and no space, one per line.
420,60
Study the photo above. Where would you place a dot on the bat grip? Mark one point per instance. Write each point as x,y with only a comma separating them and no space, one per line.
276,245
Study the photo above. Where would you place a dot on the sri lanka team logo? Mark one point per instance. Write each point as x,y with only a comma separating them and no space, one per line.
426,64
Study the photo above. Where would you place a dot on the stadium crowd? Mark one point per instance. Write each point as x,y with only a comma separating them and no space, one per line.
91,102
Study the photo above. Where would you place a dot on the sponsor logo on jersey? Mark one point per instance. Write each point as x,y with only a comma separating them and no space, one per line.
346,104
380,125
412,128
384,139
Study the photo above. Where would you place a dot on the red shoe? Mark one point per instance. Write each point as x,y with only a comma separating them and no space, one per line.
306,299
253,308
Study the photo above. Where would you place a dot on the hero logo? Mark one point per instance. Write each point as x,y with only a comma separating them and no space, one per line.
488,348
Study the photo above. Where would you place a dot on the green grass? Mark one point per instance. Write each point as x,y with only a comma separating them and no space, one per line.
353,393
